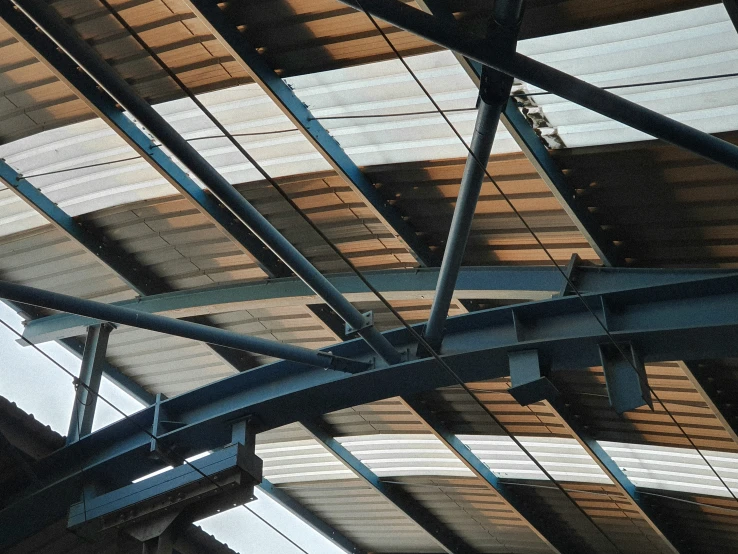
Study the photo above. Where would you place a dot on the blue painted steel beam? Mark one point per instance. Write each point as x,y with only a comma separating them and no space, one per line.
90,376
538,155
473,283
180,328
424,518
285,98
547,78
47,19
105,107
493,95
685,321
294,507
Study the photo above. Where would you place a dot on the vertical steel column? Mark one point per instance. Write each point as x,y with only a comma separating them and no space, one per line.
90,374
493,96
49,21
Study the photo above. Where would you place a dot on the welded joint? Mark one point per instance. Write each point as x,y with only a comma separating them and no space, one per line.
347,365
368,321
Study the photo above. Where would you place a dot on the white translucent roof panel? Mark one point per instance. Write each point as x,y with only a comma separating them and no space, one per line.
82,168
686,44
388,88
298,461
563,458
256,122
395,455
676,469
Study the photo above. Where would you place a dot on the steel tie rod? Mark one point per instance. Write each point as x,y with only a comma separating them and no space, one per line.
186,329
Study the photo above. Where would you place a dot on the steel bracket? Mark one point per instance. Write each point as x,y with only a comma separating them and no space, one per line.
368,322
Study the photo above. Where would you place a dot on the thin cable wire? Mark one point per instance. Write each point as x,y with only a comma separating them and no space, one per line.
293,543
643,84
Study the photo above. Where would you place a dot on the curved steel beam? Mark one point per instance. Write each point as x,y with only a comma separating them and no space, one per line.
473,283
694,320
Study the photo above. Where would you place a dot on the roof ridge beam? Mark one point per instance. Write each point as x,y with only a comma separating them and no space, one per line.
328,147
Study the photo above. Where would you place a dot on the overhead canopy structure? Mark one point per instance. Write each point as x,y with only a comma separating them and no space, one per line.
465,272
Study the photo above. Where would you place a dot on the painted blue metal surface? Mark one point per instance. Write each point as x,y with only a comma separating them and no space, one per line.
491,282
90,375
293,506
195,331
436,529
284,97
547,78
685,321
494,92
105,107
627,384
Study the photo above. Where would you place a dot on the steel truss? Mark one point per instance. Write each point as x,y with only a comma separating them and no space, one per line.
691,320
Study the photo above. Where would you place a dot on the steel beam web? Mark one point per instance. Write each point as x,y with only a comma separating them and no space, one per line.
437,530
286,99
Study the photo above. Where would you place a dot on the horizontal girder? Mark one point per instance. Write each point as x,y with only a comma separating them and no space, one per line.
473,283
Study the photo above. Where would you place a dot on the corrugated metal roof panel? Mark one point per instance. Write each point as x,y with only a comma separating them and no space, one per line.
587,392
426,191
177,242
390,455
46,259
666,207
471,510
388,88
363,515
691,43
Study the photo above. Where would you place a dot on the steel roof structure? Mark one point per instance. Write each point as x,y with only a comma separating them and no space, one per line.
462,275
